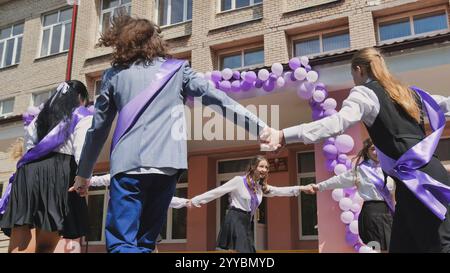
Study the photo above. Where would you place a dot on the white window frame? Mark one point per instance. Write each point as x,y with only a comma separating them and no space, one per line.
410,16
103,11
33,96
320,34
50,38
233,5
169,222
299,200
169,14
105,193
1,107
241,51
16,41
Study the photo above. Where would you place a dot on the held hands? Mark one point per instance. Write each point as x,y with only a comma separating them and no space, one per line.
80,186
271,139
310,189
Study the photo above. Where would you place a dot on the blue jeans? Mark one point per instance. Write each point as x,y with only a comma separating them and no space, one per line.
137,210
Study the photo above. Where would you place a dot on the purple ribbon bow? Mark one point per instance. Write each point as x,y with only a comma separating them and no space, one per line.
254,199
371,171
55,138
133,109
434,194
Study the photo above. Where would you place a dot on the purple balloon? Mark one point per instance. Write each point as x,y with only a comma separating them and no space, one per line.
357,246
268,85
348,164
236,86
314,104
330,140
342,158
321,86
216,76
225,86
294,63
330,112
245,86
273,77
330,164
349,192
330,151
317,114
293,78
259,83
250,77
351,238
308,68
217,85
236,75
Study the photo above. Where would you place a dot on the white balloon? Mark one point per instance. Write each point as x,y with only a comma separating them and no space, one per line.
263,74
318,95
281,82
357,198
243,74
345,204
354,227
329,104
312,76
300,73
208,75
344,143
277,69
304,60
339,169
355,207
365,249
347,217
337,194
227,73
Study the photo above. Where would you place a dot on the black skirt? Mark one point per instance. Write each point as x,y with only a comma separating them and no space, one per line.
236,232
40,198
375,223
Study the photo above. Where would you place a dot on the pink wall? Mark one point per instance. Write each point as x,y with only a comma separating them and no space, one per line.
331,229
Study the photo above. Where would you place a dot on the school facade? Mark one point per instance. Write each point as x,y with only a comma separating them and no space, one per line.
242,35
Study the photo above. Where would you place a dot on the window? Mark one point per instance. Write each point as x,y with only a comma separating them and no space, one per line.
174,11
97,88
10,45
414,25
242,59
97,201
322,43
110,8
40,98
174,229
443,150
2,184
56,32
235,4
6,107
307,203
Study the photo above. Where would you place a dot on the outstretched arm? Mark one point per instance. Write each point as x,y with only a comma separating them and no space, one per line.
217,192
284,191
178,203
102,180
344,180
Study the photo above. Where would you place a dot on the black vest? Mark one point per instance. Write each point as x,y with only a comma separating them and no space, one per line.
393,132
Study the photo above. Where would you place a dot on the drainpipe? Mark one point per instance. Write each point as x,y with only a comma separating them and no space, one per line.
72,41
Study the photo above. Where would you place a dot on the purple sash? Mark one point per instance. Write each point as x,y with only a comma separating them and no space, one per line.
254,199
131,112
55,138
434,194
370,171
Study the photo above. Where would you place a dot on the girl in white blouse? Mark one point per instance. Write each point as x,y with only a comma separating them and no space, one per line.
375,219
246,193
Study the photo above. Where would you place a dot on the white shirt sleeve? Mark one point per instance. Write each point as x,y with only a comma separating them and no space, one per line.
102,180
178,203
282,191
344,180
217,192
361,105
30,135
79,136
390,184
444,103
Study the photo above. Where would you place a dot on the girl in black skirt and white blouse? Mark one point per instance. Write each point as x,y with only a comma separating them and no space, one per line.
246,193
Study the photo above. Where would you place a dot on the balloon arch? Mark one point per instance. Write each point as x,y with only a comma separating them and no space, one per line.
335,149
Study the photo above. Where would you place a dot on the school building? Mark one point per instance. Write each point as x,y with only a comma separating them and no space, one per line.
213,35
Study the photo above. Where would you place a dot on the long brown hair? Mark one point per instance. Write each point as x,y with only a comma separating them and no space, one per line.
251,171
372,60
363,155
133,39
16,150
